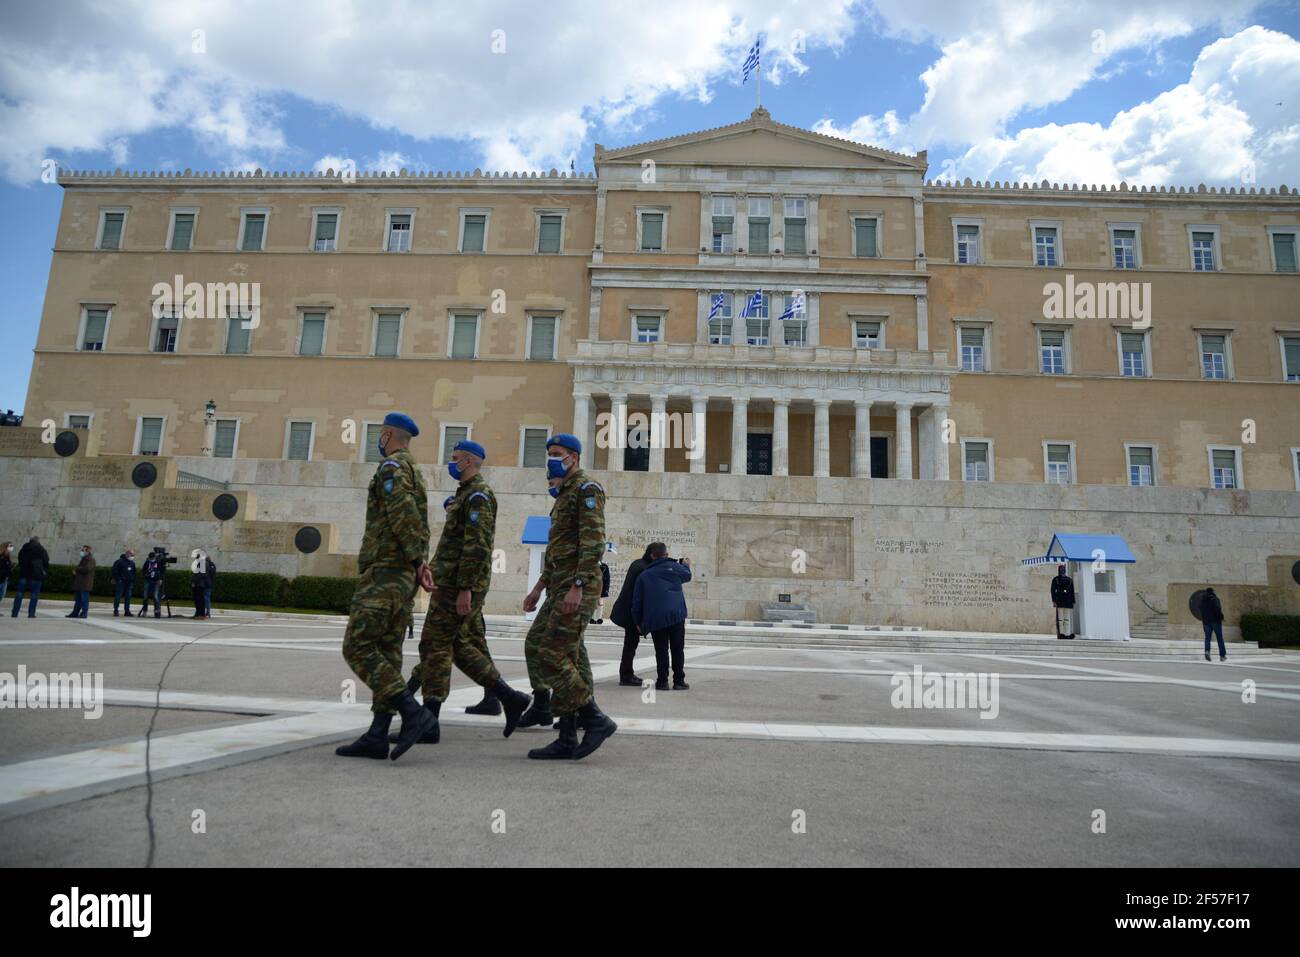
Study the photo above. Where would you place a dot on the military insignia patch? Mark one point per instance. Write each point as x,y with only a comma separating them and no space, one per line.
388,487
473,517
591,501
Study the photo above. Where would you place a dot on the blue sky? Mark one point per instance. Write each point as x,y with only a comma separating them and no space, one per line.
1166,92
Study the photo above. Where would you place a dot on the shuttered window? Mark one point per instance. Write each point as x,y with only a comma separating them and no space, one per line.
534,448
464,332
112,238
96,321
475,229
327,225
542,346
796,227
399,233
238,333
313,334
652,232
387,332
1141,465
549,232
254,231
1291,355
1283,251
183,232
150,436
300,441
865,236
451,435
224,447
372,442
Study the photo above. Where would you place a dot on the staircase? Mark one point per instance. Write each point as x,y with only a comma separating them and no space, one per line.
1153,626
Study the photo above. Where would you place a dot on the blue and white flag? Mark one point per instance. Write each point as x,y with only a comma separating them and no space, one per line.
716,302
753,305
797,307
751,61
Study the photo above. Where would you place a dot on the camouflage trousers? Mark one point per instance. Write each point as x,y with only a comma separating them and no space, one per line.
377,622
448,639
557,655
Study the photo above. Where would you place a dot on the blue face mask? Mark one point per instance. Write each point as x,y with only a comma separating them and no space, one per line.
555,468
454,470
380,444
555,492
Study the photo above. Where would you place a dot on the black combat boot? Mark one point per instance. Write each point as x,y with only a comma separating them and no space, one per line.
433,735
539,715
416,722
412,683
514,702
489,705
599,727
562,747
372,744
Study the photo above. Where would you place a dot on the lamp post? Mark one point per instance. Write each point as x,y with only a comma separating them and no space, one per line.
209,428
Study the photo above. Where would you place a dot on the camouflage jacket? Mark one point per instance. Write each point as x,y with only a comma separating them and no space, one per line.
463,558
577,540
397,515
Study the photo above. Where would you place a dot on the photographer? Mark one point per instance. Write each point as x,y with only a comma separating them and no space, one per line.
123,580
201,585
659,609
83,580
155,582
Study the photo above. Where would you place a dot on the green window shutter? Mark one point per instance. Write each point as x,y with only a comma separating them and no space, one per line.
463,332
372,442
866,236
534,448
795,244
1212,344
150,436
1132,341
326,225
1052,337
112,238
453,434
972,337
183,232
313,335
96,320
1284,252
386,335
474,229
758,233
543,342
548,240
254,229
237,336
652,231
225,441
300,441
1225,459
1140,455
1292,349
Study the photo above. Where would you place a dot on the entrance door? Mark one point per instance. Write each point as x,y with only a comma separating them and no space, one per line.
636,455
880,456
758,453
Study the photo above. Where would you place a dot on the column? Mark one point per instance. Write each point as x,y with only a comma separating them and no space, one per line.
658,431
581,420
941,472
598,253
593,313
821,438
617,430
739,435
780,436
903,440
922,323
862,438
209,436
699,415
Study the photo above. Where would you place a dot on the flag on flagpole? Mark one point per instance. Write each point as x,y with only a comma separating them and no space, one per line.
797,307
753,305
752,61
716,302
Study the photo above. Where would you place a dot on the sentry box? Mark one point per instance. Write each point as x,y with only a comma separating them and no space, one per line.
1097,564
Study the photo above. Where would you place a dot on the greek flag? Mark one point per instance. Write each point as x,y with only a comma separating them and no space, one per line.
716,303
753,305
797,305
751,61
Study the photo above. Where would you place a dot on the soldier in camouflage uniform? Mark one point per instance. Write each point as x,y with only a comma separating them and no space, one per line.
392,566
571,579
454,629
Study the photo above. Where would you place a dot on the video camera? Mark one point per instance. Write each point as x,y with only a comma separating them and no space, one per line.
160,555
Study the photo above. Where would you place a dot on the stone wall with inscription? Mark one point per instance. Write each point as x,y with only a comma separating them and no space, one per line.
943,555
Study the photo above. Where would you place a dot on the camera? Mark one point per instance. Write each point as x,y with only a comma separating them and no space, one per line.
161,555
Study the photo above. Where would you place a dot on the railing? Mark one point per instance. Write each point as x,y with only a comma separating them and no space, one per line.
701,352
193,480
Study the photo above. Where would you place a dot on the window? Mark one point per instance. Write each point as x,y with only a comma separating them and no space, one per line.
864,236
165,332
650,229
1284,249
724,221
977,462
1295,467
1103,583
1291,358
648,328
1141,464
796,226
1059,467
238,334
111,222
967,243
451,434
532,452
541,337
312,340
325,232
298,441
1203,252
224,444
148,435
94,326
388,334
720,324
1124,247
757,323
77,420
473,231
180,230
371,452
1225,467
550,232
252,230
1045,246
1132,352
794,330
398,232
1051,350
972,348
868,335
464,337
1214,356
760,224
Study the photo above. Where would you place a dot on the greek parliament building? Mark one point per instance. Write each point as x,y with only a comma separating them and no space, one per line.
815,305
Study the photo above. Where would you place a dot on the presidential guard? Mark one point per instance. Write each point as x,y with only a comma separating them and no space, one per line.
554,649
454,630
392,565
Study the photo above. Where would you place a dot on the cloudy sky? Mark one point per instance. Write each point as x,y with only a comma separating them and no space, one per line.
1173,92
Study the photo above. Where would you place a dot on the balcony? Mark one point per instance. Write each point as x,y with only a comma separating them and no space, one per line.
815,357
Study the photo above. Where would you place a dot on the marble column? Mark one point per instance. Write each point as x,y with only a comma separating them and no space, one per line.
780,436
699,417
941,473
925,444
581,422
617,430
821,438
658,431
862,438
903,440
739,435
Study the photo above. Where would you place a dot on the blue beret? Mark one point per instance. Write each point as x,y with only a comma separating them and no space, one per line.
448,500
399,420
566,441
465,445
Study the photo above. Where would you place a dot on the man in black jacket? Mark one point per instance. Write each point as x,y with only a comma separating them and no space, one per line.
33,566
1063,600
621,615
123,580
1212,622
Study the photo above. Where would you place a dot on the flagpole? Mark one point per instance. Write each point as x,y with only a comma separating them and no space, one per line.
758,87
